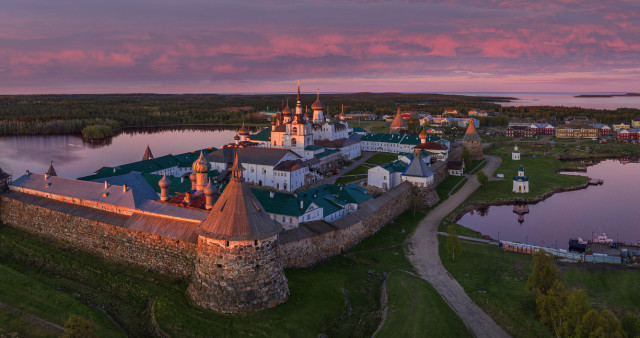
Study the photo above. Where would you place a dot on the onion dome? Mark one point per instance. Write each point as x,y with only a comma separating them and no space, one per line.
243,130
423,134
209,189
201,165
192,176
164,182
286,110
237,138
318,105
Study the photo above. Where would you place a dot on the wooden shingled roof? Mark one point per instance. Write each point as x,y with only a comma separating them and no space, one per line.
471,134
237,214
398,121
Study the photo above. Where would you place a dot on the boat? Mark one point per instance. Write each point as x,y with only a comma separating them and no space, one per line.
577,245
603,239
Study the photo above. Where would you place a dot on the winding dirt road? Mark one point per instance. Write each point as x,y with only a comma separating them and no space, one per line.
425,257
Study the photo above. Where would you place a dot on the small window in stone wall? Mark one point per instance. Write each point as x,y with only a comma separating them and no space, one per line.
227,244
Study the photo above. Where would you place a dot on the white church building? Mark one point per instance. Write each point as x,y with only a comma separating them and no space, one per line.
521,182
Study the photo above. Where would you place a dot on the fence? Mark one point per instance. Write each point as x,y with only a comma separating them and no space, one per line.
531,249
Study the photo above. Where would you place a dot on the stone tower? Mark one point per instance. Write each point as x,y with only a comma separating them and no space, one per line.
472,142
398,123
237,268
147,154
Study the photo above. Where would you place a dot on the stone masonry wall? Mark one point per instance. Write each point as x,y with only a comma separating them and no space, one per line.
428,195
112,242
371,216
238,276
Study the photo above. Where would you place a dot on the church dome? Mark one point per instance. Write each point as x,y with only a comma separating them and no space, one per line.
318,105
209,189
201,165
192,176
423,135
164,182
286,110
243,130
237,138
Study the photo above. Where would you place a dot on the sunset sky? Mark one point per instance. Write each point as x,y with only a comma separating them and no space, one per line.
204,46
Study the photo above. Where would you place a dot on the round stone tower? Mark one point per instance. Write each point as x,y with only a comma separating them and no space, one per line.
237,268
472,142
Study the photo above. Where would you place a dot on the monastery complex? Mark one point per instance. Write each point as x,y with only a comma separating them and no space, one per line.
231,219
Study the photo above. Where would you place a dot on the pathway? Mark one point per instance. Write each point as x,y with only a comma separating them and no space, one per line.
426,259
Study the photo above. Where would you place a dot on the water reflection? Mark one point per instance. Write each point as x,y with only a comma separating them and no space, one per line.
609,208
74,157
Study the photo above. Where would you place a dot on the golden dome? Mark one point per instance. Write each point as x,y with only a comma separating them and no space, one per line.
201,165
423,134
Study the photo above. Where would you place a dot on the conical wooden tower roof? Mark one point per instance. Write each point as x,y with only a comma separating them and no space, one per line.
398,121
51,171
471,134
237,214
147,154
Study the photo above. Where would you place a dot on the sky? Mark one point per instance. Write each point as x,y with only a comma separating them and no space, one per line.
242,46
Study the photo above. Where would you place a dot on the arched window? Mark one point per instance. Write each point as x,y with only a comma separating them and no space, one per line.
293,142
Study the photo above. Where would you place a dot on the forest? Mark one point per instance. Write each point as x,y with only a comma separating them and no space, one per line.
100,115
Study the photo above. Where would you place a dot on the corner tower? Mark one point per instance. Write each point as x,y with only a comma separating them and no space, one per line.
472,142
237,268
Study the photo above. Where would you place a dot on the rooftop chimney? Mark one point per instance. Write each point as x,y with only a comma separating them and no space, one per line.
28,173
271,194
301,204
106,185
46,176
124,188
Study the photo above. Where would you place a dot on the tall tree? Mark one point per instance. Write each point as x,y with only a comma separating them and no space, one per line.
544,273
631,325
466,158
550,306
483,179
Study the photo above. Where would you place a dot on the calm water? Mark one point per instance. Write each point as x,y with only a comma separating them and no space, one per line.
566,99
611,208
74,158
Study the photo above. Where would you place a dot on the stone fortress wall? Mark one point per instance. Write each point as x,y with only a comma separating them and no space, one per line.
316,241
93,231
102,233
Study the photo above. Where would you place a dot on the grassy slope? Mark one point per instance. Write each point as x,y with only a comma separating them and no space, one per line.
504,276
567,148
539,170
317,303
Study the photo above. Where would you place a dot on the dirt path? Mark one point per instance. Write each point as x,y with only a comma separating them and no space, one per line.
425,258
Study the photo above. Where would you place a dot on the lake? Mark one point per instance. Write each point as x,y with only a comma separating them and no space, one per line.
611,208
565,99
73,157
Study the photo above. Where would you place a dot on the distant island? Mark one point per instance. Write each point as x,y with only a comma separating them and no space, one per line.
607,95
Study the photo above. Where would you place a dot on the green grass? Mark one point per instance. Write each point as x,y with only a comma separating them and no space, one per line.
609,287
503,275
567,149
382,158
476,166
44,301
540,172
497,283
132,296
445,186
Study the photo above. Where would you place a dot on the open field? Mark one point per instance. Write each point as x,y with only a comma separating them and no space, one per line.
132,297
539,170
496,281
567,149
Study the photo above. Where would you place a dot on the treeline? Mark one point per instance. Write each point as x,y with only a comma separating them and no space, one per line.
42,114
569,313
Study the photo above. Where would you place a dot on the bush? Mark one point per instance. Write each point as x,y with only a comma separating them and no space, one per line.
79,327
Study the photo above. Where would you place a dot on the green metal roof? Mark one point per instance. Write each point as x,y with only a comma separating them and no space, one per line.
358,130
281,203
167,161
176,185
395,166
326,153
372,137
262,135
410,139
313,147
